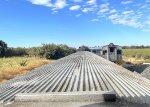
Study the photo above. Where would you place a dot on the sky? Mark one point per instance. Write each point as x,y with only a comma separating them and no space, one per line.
27,23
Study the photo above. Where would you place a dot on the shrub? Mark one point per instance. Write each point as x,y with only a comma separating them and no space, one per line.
138,56
128,62
133,56
47,55
3,48
23,63
146,57
52,51
49,51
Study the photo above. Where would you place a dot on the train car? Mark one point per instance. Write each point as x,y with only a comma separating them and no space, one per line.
110,52
96,50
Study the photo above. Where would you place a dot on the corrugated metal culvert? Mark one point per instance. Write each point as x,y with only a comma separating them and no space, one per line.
81,71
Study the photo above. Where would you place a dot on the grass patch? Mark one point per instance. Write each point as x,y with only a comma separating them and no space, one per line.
11,67
137,56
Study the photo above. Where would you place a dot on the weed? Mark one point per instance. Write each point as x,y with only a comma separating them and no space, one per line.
11,67
23,63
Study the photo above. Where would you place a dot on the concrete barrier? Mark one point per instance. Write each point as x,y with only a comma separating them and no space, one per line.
95,96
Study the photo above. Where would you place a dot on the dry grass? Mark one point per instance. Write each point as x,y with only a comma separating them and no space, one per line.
134,60
137,56
11,67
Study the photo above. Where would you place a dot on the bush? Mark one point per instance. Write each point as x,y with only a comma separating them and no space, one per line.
16,52
84,48
49,51
52,51
23,63
128,63
146,57
47,55
138,56
133,56
3,48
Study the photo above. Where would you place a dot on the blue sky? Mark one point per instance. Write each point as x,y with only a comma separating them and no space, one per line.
28,23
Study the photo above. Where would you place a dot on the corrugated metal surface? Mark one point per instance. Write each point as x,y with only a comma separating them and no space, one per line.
146,73
82,71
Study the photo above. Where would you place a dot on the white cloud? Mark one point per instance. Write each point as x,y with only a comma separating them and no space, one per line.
59,4
147,22
105,5
78,15
86,10
126,2
147,1
126,18
104,8
128,12
135,15
91,2
112,17
76,7
131,23
123,21
77,1
42,2
95,20
113,11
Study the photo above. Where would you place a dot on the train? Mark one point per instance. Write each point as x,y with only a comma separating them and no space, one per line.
110,52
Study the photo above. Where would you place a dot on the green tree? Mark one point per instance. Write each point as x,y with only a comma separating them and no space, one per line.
52,51
3,48
15,52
